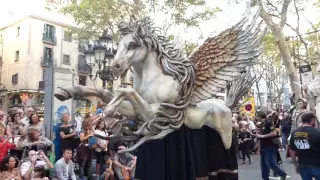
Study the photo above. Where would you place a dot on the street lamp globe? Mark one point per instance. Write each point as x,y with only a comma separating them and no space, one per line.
99,52
106,40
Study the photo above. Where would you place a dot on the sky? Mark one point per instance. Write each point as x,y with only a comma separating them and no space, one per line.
9,11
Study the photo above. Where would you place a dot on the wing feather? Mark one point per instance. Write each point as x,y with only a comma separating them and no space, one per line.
222,58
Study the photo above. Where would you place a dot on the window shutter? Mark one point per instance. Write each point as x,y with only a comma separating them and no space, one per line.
52,58
44,57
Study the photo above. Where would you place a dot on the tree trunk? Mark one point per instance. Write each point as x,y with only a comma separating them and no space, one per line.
284,50
258,93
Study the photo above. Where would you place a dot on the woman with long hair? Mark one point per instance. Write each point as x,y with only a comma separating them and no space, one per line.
102,143
9,168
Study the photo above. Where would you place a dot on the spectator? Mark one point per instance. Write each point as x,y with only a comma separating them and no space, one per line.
35,141
101,106
35,123
268,150
5,146
9,168
40,173
16,125
27,168
4,129
286,123
244,139
305,144
125,164
70,140
28,113
63,169
109,173
102,143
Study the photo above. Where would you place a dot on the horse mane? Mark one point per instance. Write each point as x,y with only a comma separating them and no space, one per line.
172,61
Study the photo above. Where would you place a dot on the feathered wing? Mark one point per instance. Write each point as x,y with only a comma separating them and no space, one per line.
239,88
222,58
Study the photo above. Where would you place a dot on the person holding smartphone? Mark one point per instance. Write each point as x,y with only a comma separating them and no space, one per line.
35,159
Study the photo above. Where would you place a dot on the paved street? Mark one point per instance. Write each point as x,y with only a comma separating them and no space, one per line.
252,171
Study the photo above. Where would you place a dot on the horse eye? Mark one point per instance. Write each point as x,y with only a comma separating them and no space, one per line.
133,46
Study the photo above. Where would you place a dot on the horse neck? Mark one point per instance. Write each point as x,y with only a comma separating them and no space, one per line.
148,70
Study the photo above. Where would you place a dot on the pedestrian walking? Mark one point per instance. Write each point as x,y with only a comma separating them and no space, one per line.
268,148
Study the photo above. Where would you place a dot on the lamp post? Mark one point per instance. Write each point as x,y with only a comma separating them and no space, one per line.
102,53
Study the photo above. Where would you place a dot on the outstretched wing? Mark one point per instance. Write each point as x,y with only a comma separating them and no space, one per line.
222,58
239,87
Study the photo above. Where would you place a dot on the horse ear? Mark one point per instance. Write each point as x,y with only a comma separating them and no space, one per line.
140,31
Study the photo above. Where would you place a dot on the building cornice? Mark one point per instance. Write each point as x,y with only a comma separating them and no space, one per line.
38,17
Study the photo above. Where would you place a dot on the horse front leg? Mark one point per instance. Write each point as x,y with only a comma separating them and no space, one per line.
125,108
143,109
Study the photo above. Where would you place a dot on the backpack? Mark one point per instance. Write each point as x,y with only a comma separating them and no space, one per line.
92,141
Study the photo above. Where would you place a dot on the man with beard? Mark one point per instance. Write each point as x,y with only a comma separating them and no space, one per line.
125,164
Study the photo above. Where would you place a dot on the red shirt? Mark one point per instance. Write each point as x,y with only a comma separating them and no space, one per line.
4,147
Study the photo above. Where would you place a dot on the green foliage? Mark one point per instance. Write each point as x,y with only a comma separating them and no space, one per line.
189,47
93,16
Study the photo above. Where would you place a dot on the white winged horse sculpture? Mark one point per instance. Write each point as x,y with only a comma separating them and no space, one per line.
170,89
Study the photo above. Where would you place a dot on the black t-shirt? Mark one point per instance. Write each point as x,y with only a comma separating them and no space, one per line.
306,141
244,134
286,125
266,128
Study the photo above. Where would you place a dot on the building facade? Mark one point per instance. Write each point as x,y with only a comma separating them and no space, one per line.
29,46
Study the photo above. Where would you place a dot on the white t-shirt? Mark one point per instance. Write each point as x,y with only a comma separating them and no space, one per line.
101,141
26,165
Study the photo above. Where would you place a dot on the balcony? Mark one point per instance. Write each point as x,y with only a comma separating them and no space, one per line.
83,67
46,62
49,39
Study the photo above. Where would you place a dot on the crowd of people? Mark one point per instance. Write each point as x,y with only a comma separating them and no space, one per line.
267,134
26,152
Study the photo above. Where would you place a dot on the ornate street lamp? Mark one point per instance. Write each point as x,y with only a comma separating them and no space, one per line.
102,53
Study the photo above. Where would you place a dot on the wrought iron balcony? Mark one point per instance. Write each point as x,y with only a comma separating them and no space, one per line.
46,62
83,67
49,39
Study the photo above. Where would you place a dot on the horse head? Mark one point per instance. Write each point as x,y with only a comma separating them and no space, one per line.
133,47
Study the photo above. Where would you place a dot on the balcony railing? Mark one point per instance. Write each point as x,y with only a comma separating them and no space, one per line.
49,39
46,62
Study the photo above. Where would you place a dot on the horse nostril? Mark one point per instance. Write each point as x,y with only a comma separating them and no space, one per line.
117,66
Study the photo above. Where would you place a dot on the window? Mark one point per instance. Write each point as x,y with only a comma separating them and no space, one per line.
49,31
67,35
17,56
66,59
48,56
18,31
82,80
15,79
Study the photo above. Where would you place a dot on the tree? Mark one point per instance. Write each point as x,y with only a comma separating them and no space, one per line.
271,70
279,37
93,16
